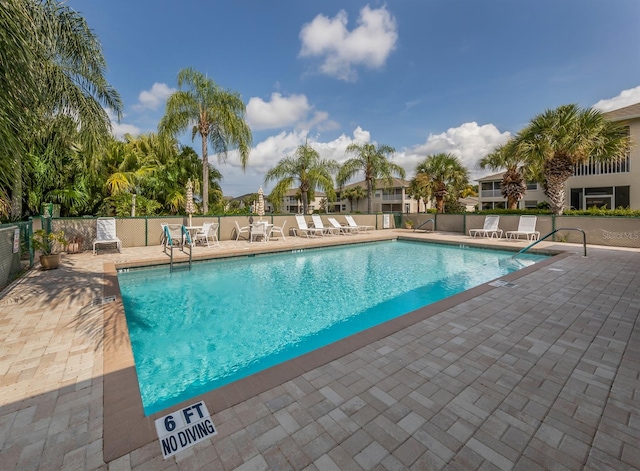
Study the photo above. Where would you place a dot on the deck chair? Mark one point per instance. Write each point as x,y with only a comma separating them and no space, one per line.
318,224
173,236
306,230
279,229
490,228
352,223
208,232
106,233
526,227
242,230
345,230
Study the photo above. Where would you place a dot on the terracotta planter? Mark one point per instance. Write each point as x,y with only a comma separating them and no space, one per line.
49,262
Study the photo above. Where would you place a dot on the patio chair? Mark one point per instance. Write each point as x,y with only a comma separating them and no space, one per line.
106,233
489,229
352,223
345,230
306,230
278,229
318,224
173,236
526,227
242,230
259,230
208,232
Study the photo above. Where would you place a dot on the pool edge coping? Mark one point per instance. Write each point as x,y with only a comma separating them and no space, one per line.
126,428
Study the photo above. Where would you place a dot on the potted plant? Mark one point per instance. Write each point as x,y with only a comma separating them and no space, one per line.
44,243
408,224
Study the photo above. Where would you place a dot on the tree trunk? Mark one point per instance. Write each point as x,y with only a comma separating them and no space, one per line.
305,202
205,176
369,195
556,172
16,192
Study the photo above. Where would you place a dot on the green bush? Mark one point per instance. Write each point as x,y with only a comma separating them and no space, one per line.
603,211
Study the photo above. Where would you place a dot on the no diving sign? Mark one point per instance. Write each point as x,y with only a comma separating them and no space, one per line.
184,428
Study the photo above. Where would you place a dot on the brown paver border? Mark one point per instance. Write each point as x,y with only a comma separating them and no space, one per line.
126,428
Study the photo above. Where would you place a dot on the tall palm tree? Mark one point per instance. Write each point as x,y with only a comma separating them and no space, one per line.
52,67
554,141
514,185
447,176
214,113
374,162
307,169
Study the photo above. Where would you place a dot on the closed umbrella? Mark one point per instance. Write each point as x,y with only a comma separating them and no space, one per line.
260,210
189,205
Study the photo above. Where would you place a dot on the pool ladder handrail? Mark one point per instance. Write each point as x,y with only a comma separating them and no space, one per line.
428,220
185,236
584,239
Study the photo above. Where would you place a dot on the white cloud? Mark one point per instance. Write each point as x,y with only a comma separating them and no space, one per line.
269,152
469,142
152,99
369,44
277,113
626,98
118,130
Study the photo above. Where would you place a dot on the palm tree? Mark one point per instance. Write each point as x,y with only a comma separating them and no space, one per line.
355,193
420,189
374,163
217,115
447,176
53,68
558,139
308,170
513,186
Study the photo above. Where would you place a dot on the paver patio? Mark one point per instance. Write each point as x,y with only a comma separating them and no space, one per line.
542,374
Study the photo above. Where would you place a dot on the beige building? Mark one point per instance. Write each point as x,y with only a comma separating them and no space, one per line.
385,199
593,184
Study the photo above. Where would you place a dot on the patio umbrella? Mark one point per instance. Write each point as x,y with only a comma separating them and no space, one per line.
260,209
189,205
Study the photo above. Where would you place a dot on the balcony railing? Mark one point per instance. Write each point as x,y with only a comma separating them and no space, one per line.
491,193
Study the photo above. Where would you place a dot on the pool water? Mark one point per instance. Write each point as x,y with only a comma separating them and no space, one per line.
195,330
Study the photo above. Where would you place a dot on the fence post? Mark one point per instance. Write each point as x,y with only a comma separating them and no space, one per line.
146,231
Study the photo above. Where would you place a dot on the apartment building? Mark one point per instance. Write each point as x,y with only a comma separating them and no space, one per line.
592,184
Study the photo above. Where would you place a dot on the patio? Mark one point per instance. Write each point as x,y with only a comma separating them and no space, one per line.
542,374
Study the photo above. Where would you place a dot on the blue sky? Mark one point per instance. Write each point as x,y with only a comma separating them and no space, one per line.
423,76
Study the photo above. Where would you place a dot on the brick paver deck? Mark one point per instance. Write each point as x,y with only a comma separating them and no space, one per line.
541,375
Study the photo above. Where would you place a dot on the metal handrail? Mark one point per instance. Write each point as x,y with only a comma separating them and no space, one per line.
584,239
428,220
168,240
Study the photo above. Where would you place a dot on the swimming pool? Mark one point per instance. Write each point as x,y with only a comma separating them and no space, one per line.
193,331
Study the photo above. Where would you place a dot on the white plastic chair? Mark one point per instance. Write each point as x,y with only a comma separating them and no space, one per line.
279,229
526,227
352,223
209,231
318,224
106,233
259,230
306,230
490,228
346,230
241,230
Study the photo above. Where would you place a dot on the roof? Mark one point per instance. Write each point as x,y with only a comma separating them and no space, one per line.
396,183
494,177
628,112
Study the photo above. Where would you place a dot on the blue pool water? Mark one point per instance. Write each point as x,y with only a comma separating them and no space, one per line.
193,331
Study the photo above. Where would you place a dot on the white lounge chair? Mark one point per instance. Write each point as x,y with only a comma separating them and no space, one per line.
306,230
106,233
490,228
526,227
242,230
278,229
173,235
352,223
318,224
208,232
346,230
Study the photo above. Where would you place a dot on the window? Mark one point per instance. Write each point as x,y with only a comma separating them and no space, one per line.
532,186
490,189
487,205
530,204
610,197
